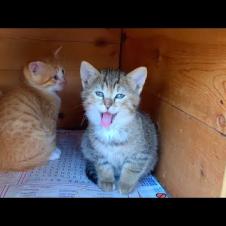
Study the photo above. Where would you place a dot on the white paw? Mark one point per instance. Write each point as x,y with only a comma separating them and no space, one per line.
55,154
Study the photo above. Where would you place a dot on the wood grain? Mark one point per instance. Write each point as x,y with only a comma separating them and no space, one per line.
14,54
188,35
96,35
183,71
185,94
192,155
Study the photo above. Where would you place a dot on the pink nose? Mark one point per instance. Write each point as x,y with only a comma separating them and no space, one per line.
107,102
63,81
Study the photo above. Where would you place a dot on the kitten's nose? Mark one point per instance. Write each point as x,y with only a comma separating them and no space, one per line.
63,81
108,103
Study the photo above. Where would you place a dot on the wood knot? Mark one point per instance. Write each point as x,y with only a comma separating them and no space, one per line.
221,120
202,171
100,42
158,57
113,53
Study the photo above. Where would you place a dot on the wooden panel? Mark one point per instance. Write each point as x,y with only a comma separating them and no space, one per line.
188,35
185,94
71,102
186,69
19,46
15,53
9,79
96,35
192,155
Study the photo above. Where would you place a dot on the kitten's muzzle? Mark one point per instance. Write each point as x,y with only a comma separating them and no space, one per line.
108,103
62,82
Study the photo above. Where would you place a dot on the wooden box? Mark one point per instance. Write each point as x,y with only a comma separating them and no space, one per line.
185,92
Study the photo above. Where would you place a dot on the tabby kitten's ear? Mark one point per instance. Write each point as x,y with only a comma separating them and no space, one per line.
36,68
88,73
137,78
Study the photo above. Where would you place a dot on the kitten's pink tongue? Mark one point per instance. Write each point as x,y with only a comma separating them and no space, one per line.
106,119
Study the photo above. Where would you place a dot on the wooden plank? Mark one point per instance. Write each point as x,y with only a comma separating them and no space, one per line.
15,53
71,102
183,71
9,79
188,35
192,155
97,35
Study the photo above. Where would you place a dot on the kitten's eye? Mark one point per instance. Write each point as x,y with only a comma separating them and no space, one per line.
119,96
63,71
55,77
99,94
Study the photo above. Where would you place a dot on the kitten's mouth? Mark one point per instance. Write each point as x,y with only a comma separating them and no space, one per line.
107,119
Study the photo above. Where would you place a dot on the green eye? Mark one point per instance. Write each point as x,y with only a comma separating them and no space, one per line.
119,96
99,94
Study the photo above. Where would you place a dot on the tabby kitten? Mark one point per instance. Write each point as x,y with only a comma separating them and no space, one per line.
28,117
120,143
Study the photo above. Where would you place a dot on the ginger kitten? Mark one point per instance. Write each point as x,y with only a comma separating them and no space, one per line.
120,143
28,118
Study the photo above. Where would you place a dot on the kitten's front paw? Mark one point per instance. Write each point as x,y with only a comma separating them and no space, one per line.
55,154
107,186
125,188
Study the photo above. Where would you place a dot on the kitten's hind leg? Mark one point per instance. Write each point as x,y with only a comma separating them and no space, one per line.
55,154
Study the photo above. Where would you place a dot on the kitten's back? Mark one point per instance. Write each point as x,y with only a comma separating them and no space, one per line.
150,130
28,117
24,134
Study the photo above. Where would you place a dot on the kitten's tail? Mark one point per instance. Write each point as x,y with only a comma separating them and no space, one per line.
91,172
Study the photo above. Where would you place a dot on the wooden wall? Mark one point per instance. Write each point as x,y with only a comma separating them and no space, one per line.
18,46
186,96
185,92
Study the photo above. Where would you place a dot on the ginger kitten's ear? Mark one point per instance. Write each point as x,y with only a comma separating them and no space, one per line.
56,52
137,78
36,67
88,73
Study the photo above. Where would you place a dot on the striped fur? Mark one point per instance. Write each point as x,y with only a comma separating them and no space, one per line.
119,155
91,171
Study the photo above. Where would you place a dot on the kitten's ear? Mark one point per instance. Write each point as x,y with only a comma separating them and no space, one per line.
56,52
36,67
137,78
87,73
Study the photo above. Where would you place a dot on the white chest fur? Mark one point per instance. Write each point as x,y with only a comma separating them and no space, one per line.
111,135
113,145
115,155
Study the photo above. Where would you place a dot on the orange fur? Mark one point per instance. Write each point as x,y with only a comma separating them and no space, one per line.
28,117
